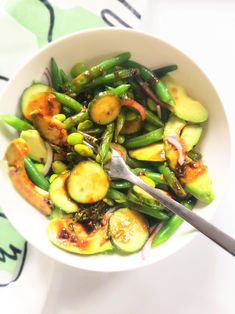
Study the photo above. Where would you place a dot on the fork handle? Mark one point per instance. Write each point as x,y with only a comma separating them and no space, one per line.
212,232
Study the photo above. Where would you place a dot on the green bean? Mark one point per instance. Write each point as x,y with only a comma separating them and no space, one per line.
146,139
139,96
68,101
67,111
120,90
73,120
15,122
64,77
120,185
194,155
55,75
169,228
99,69
155,176
121,139
149,127
96,130
105,144
119,125
138,205
131,115
34,175
171,179
106,79
134,163
152,118
116,196
85,125
77,69
151,104
164,70
159,87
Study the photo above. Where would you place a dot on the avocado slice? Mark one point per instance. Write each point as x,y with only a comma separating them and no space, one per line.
201,188
185,107
152,152
59,196
37,147
73,237
191,135
174,126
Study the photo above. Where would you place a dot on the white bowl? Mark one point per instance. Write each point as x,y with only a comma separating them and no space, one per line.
92,46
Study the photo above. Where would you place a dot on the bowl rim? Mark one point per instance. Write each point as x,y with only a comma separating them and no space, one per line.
172,47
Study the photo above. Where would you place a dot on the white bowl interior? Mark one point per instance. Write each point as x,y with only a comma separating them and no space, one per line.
92,46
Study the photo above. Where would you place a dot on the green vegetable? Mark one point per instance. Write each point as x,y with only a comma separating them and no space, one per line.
68,101
149,127
131,115
88,183
58,194
34,175
104,108
159,87
83,150
119,125
121,224
169,228
75,138
164,70
120,185
195,156
55,75
97,70
158,178
107,79
84,125
105,144
119,90
58,167
144,140
39,167
116,196
73,120
121,139
77,69
152,118
172,180
15,122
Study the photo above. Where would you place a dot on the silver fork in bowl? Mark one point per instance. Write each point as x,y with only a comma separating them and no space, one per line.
118,169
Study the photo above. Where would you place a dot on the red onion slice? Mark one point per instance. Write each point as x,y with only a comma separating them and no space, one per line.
147,247
179,146
48,160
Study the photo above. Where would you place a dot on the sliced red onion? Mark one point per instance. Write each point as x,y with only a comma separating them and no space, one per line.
147,247
179,146
47,75
48,160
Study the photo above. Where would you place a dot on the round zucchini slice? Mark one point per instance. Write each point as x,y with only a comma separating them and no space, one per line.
58,194
74,238
88,183
131,127
38,97
128,230
104,108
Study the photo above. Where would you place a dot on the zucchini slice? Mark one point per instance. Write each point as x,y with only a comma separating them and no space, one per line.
58,194
128,230
38,97
73,237
104,108
131,127
88,183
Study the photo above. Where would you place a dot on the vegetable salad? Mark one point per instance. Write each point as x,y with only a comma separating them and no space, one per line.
65,134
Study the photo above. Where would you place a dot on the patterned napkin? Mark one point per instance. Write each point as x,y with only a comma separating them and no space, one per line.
27,26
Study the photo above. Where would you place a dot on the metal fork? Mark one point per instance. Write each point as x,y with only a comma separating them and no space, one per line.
117,168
